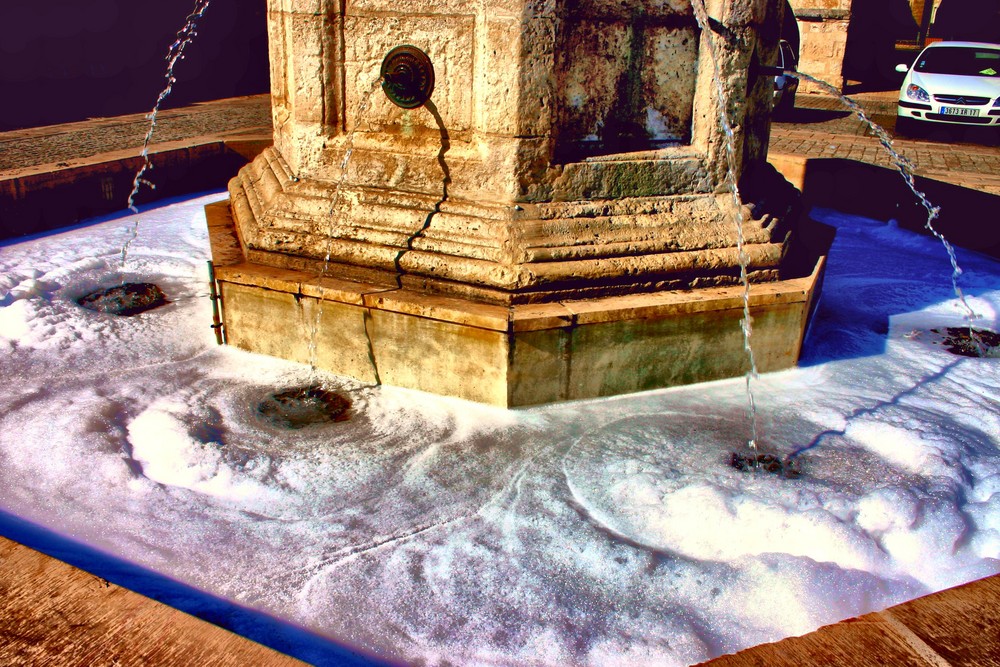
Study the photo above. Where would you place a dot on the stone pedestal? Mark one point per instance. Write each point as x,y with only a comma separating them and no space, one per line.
557,211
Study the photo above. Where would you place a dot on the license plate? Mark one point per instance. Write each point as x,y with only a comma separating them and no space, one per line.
959,111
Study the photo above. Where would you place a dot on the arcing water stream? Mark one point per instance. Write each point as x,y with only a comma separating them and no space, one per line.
722,105
331,237
905,168
174,55
902,164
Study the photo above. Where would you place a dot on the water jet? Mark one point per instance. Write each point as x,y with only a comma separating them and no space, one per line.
581,242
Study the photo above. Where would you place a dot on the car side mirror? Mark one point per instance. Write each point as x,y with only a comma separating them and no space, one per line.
902,68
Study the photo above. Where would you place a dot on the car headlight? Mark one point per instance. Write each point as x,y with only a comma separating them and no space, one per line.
996,102
915,92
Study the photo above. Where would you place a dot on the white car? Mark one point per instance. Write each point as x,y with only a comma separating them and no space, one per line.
951,82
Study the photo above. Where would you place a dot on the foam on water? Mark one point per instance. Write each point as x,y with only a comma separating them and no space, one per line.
429,529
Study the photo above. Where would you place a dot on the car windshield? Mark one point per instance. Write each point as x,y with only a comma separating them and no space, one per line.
963,61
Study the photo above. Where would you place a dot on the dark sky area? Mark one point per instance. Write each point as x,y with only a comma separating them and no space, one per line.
975,20
67,60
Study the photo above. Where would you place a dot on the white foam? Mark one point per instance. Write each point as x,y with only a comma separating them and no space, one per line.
162,443
430,530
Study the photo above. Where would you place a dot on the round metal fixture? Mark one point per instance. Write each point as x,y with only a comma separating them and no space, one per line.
407,76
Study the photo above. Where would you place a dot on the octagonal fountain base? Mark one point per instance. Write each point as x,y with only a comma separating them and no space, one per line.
507,356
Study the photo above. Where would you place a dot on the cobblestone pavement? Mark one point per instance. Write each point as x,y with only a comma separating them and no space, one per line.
54,144
819,127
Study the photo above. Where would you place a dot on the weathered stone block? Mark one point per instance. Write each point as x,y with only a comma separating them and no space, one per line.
449,43
526,234
442,357
627,83
280,324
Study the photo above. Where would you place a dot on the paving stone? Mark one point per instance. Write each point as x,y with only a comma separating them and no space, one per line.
958,627
57,144
841,135
973,165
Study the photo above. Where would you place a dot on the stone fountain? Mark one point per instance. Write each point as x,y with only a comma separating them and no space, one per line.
540,214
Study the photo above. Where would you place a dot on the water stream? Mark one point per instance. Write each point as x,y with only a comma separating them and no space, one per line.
905,167
397,262
729,139
174,55
332,237
902,164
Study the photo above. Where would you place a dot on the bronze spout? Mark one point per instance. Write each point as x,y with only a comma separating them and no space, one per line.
407,77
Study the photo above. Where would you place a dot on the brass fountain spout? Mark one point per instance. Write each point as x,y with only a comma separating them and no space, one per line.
407,76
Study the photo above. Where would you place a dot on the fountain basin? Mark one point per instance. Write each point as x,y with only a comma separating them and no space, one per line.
505,355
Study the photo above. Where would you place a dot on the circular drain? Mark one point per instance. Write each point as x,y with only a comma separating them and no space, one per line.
127,299
766,463
304,406
958,340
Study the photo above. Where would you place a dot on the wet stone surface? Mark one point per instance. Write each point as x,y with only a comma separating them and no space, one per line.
958,340
765,463
304,406
127,299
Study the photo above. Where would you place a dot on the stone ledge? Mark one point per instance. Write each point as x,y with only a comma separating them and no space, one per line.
52,613
823,14
959,626
499,252
231,268
503,355
45,197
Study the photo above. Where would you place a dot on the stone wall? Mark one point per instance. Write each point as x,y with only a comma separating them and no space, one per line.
571,145
823,28
570,79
